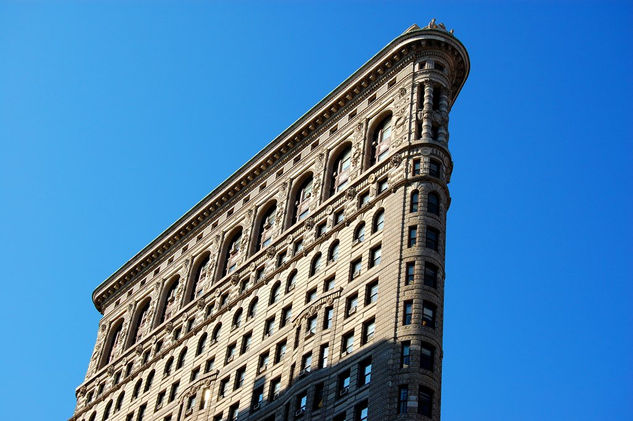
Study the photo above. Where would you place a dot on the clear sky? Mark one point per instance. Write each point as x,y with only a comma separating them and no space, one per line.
117,117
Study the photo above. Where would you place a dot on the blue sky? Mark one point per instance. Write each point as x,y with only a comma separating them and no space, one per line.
117,117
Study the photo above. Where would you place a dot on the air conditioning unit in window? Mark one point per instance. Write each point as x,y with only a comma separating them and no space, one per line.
229,359
344,391
263,368
351,311
276,395
356,274
299,412
256,406
310,333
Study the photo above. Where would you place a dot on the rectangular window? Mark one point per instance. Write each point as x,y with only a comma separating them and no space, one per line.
355,268
275,389
194,374
311,325
361,411
173,391
306,363
329,284
375,256
339,417
407,315
223,383
302,403
311,295
363,199
383,185
230,352
369,328
430,275
324,352
364,372
269,326
240,373
286,314
317,402
412,237
347,344
403,398
405,354
234,410
338,217
425,401
351,305
327,317
410,275
160,399
281,258
432,238
427,355
371,292
258,398
344,380
434,168
262,364
416,167
208,365
247,339
280,351
298,246
428,314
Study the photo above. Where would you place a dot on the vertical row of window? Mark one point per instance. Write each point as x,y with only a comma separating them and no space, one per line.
432,203
425,400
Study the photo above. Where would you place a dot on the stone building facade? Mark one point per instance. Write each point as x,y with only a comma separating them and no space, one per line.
310,284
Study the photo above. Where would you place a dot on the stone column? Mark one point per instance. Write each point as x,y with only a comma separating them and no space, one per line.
427,110
443,130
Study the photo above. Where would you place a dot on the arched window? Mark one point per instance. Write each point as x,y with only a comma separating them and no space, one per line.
113,343
274,293
148,382
291,282
168,306
379,220
433,203
140,323
252,307
316,264
215,335
198,276
137,388
93,416
168,365
266,225
106,412
231,252
415,199
359,232
119,401
339,175
201,344
332,255
302,199
181,358
380,141
237,318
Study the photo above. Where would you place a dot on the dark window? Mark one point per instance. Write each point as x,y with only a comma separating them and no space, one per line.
148,381
181,358
329,284
371,292
403,398
274,293
380,141
327,317
302,402
239,377
364,372
168,365
407,316
382,185
311,295
264,359
427,356
361,411
428,314
298,246
231,254
223,383
430,274
375,256
425,401
435,168
286,314
369,329
359,233
291,281
201,344
247,339
302,200
274,389
347,344
416,167
405,354
333,252
351,305
269,326
412,238
324,352
258,398
316,264
363,199
280,351
237,318
266,226
311,325
343,384
173,391
356,267
340,170
208,365
234,411
410,275
321,229
433,203
317,402
137,389
432,238
415,198
379,221
230,352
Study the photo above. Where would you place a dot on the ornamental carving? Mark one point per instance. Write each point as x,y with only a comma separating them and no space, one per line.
139,350
350,194
371,178
110,370
396,160
309,223
329,209
200,304
270,252
320,162
235,279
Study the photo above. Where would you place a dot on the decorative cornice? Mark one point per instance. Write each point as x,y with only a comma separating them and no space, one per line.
318,117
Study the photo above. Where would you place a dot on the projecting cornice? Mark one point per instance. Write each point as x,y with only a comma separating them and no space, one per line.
407,46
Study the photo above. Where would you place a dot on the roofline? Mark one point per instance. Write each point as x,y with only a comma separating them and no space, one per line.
410,33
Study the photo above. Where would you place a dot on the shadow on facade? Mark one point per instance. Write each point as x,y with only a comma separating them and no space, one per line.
363,385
